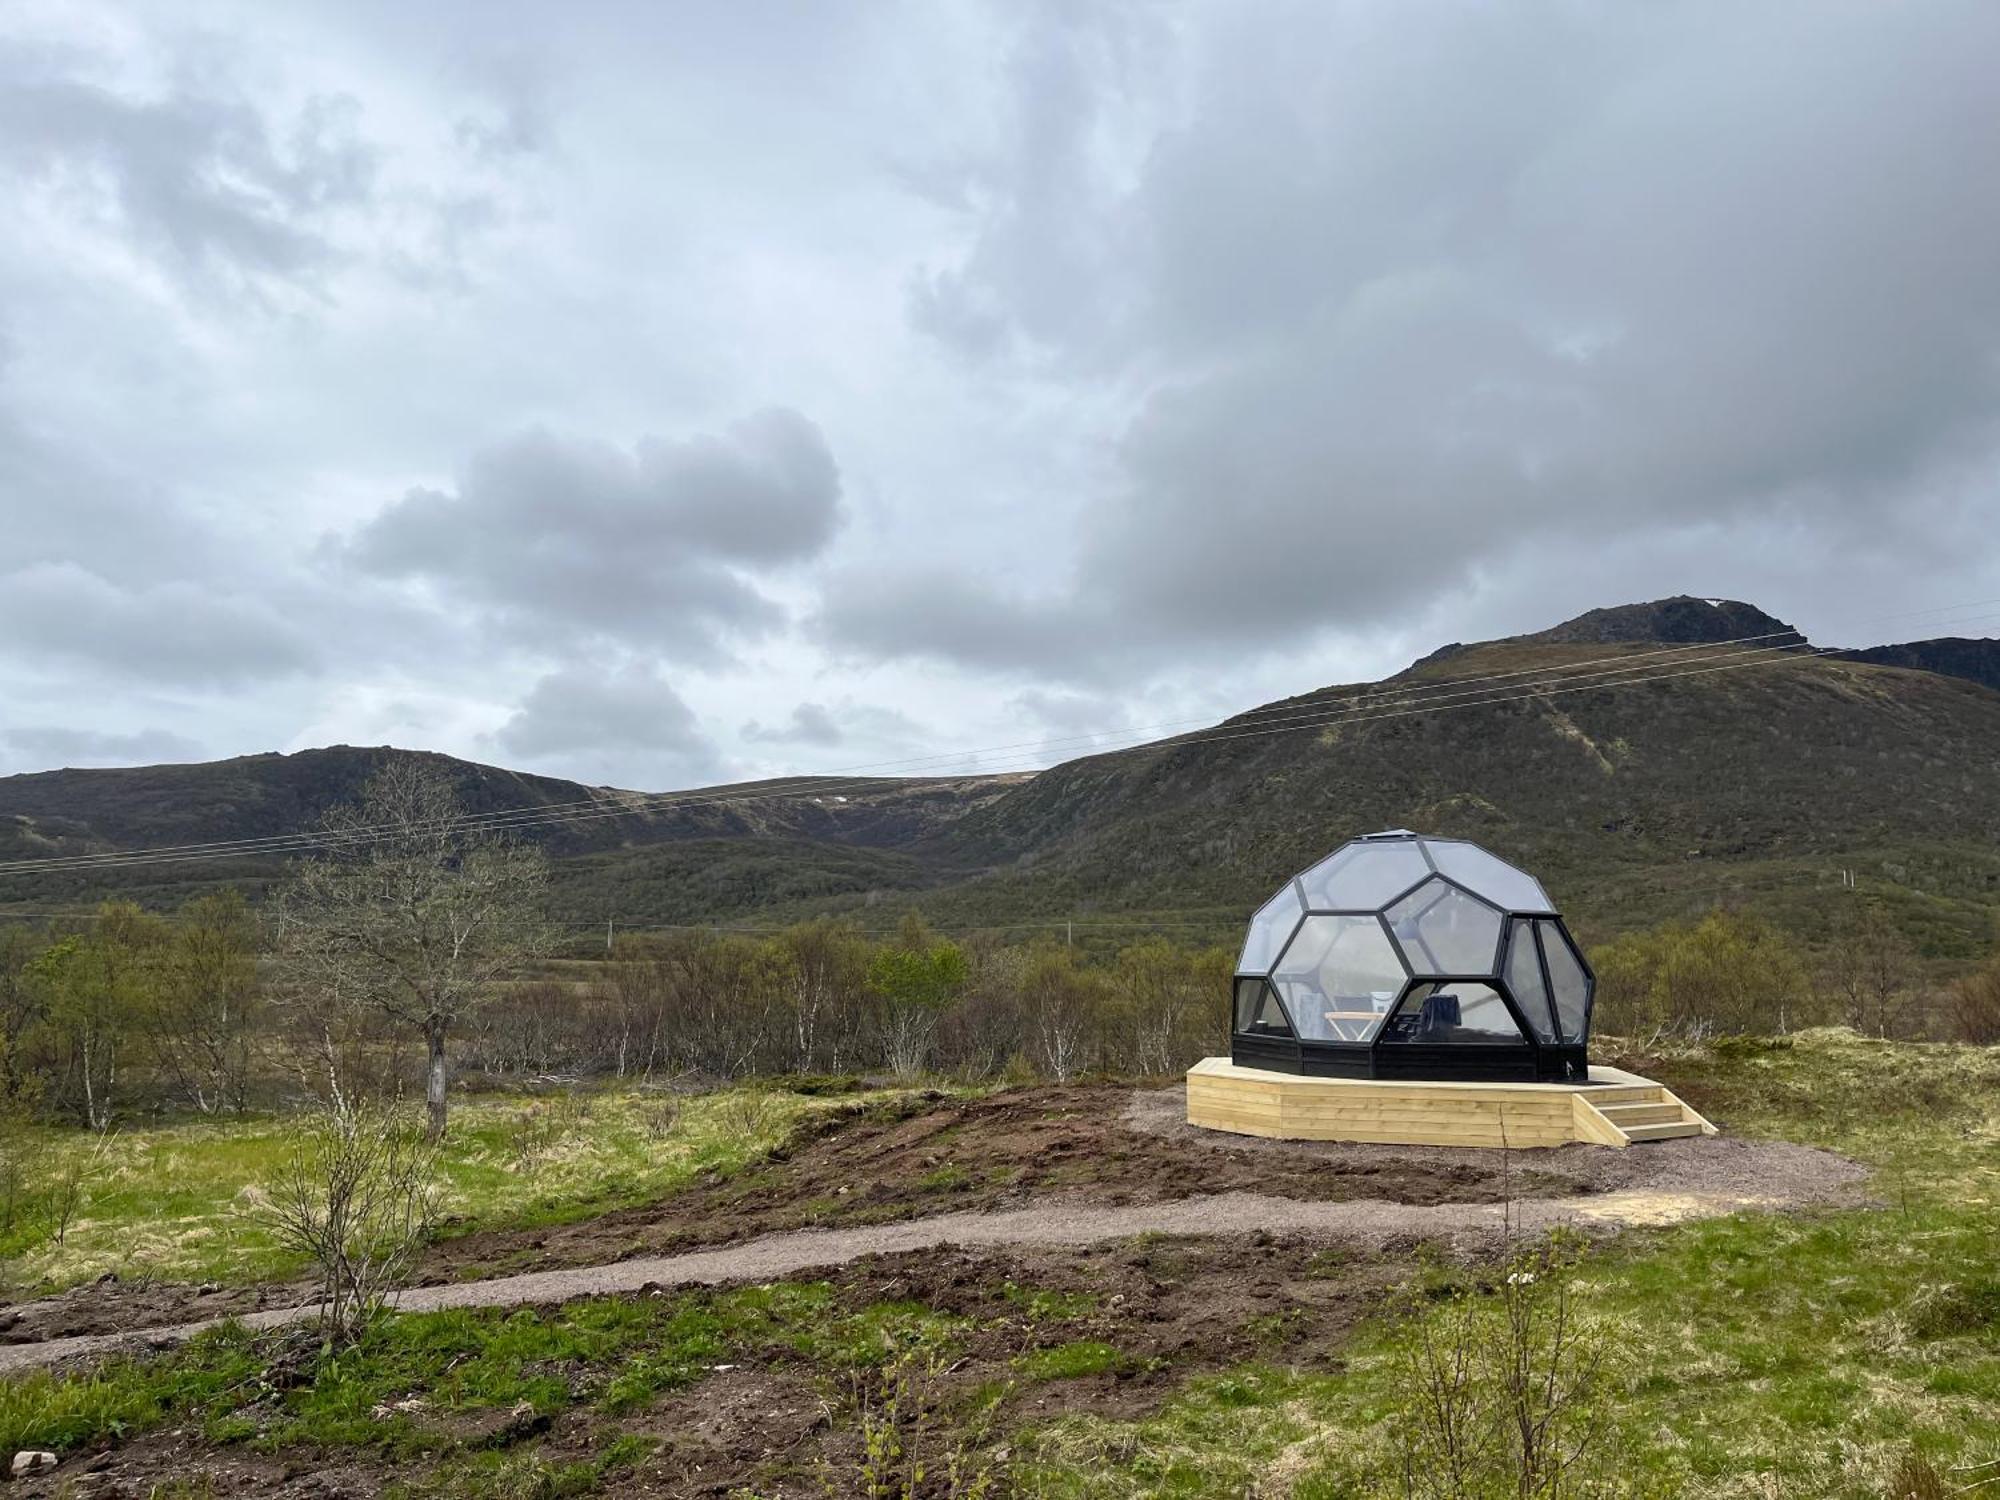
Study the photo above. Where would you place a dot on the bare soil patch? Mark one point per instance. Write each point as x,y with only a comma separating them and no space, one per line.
110,1305
1056,1151
1095,1144
1169,1308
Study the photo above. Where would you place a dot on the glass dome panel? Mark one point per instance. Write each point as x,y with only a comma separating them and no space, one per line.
1273,923
1486,875
1463,1011
1258,1011
1338,978
1441,930
1363,876
1524,980
1567,978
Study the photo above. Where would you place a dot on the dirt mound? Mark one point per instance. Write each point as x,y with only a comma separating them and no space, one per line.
1042,1165
1079,1144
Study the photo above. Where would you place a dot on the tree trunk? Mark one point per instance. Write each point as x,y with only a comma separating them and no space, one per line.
434,1080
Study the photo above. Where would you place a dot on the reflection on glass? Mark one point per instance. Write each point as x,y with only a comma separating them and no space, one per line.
1273,923
1441,930
1524,980
1572,989
1460,1011
1338,978
1482,874
1363,877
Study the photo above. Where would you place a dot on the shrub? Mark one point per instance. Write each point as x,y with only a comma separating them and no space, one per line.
1975,1006
1726,973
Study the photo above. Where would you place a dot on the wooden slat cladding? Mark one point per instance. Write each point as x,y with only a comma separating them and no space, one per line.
1223,1095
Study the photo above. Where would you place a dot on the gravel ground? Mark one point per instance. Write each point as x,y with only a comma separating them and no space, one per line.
1652,1184
1749,1173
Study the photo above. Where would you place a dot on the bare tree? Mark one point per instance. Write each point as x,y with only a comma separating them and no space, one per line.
1871,973
826,973
1975,1006
204,1002
355,1197
413,911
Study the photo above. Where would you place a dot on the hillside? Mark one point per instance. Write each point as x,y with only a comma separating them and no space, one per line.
1635,802
750,844
1952,656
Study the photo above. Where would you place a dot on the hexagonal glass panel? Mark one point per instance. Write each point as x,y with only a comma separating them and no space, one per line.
1524,980
1484,875
1363,876
1273,924
1441,930
1338,978
1567,978
1258,1011
1462,1011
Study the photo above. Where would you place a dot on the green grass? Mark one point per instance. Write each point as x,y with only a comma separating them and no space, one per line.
1071,1361
459,1397
402,1390
1763,1354
177,1201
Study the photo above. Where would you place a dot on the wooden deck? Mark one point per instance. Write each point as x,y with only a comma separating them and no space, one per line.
1614,1109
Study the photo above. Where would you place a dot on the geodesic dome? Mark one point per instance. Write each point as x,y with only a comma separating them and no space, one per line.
1401,955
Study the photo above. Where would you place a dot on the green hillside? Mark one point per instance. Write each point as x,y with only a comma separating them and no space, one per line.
1757,786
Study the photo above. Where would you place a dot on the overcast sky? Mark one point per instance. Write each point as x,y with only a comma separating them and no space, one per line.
659,393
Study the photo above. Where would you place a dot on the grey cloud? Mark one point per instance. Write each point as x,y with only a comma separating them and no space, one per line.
199,177
172,632
523,122
809,724
49,745
656,547
1071,714
621,723
1427,293
940,614
65,503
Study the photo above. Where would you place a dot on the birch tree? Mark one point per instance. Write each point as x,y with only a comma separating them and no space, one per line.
415,911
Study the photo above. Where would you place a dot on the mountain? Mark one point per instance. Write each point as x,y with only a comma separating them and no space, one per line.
1727,775
1952,655
739,847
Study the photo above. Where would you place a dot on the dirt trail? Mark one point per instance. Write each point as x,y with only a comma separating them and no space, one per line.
1751,1184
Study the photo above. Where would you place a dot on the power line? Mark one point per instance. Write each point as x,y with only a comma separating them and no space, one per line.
636,803
551,815
530,818
1550,683
303,841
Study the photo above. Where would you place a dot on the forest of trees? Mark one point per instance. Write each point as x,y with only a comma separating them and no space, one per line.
414,946
130,1012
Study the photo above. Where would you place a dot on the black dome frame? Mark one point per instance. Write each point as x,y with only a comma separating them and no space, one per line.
1401,1037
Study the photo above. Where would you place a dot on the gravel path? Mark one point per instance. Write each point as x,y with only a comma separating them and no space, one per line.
1701,1178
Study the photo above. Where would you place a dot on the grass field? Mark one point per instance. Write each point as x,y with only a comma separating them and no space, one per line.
1756,1355
177,1202
1836,1353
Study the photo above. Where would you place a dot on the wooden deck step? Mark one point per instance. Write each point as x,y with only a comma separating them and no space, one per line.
1666,1131
1640,1114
